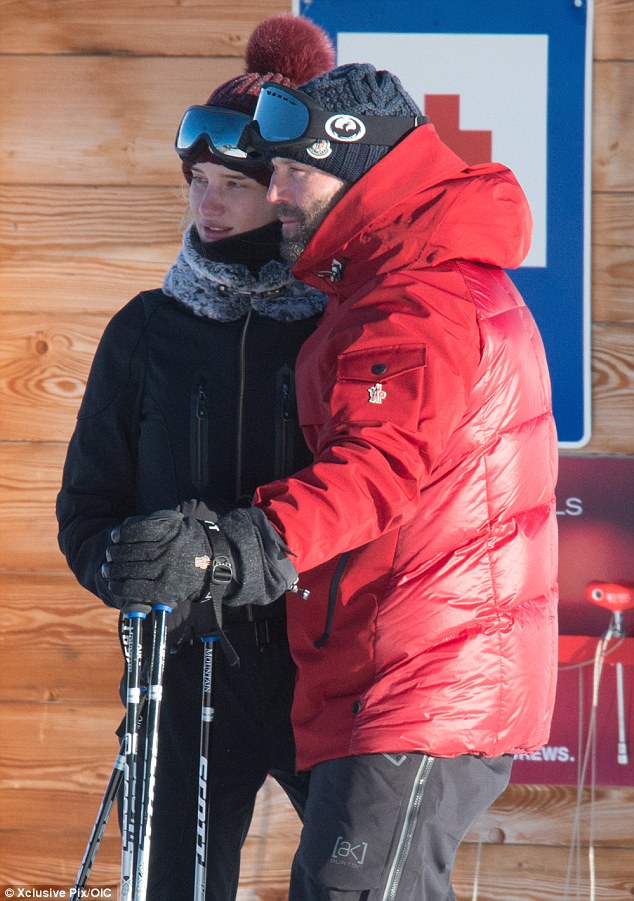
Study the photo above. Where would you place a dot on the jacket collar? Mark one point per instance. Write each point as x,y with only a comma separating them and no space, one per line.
421,204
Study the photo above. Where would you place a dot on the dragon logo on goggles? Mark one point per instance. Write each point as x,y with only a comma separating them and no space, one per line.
344,127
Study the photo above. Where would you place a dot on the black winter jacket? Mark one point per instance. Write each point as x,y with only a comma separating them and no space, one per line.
177,407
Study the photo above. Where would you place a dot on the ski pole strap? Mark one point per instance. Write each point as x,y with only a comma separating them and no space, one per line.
221,566
221,574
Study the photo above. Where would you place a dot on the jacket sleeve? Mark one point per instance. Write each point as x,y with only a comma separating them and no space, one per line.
378,421
98,482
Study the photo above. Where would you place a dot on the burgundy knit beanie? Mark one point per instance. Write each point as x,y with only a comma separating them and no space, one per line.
286,49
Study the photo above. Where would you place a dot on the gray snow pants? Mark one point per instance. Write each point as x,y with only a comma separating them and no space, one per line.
385,827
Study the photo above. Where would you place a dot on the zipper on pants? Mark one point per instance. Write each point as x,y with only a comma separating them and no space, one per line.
407,832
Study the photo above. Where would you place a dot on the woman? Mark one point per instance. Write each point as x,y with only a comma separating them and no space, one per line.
191,396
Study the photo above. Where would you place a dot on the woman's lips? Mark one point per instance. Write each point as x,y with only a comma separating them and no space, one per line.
211,232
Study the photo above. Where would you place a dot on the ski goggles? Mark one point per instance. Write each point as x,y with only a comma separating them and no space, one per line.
217,128
287,118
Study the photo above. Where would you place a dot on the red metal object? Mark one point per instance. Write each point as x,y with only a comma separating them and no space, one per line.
611,595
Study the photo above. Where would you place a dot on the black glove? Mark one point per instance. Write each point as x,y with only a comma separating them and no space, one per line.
163,558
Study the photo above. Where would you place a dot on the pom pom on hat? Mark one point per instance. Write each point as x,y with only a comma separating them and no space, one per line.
286,49
294,47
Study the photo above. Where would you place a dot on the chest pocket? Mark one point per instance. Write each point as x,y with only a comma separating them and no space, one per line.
380,383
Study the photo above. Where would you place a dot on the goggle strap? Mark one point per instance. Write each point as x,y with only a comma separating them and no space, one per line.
382,130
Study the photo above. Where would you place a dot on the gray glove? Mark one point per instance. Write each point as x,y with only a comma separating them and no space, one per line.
172,559
162,558
262,569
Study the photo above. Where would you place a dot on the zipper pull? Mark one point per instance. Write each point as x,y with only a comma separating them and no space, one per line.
303,593
201,404
286,402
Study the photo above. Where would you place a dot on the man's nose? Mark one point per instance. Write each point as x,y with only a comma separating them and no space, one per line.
275,193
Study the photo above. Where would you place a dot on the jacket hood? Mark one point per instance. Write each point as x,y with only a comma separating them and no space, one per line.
422,204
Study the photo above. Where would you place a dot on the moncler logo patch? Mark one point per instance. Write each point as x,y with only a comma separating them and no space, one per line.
319,150
377,394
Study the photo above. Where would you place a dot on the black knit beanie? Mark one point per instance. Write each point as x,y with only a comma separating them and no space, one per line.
361,90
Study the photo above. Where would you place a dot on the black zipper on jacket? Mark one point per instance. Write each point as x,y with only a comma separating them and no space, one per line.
242,366
200,449
407,832
240,405
332,598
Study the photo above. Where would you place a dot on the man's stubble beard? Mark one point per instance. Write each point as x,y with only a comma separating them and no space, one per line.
291,248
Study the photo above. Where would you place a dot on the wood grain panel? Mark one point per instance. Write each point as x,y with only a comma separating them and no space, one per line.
58,643
30,477
85,249
58,853
153,28
54,750
528,873
76,285
519,814
59,223
612,389
613,29
44,364
100,120
174,28
612,257
613,127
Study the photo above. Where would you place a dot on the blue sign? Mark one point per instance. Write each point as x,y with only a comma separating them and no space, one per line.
508,82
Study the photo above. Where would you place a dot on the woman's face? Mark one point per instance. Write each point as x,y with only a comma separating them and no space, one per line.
224,203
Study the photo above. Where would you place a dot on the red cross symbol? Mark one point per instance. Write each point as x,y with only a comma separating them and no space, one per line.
444,113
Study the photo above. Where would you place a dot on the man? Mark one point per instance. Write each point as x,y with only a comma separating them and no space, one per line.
425,528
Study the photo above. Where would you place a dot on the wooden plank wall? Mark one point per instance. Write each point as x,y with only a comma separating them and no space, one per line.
90,202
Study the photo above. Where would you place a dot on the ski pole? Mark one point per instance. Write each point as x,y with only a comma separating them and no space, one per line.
134,615
154,697
206,719
103,815
112,788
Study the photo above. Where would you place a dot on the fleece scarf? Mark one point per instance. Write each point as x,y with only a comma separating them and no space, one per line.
215,289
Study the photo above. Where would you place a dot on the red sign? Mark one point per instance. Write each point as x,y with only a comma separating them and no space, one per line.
593,722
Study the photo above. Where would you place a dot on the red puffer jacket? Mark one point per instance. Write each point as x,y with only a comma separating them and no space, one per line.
425,527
